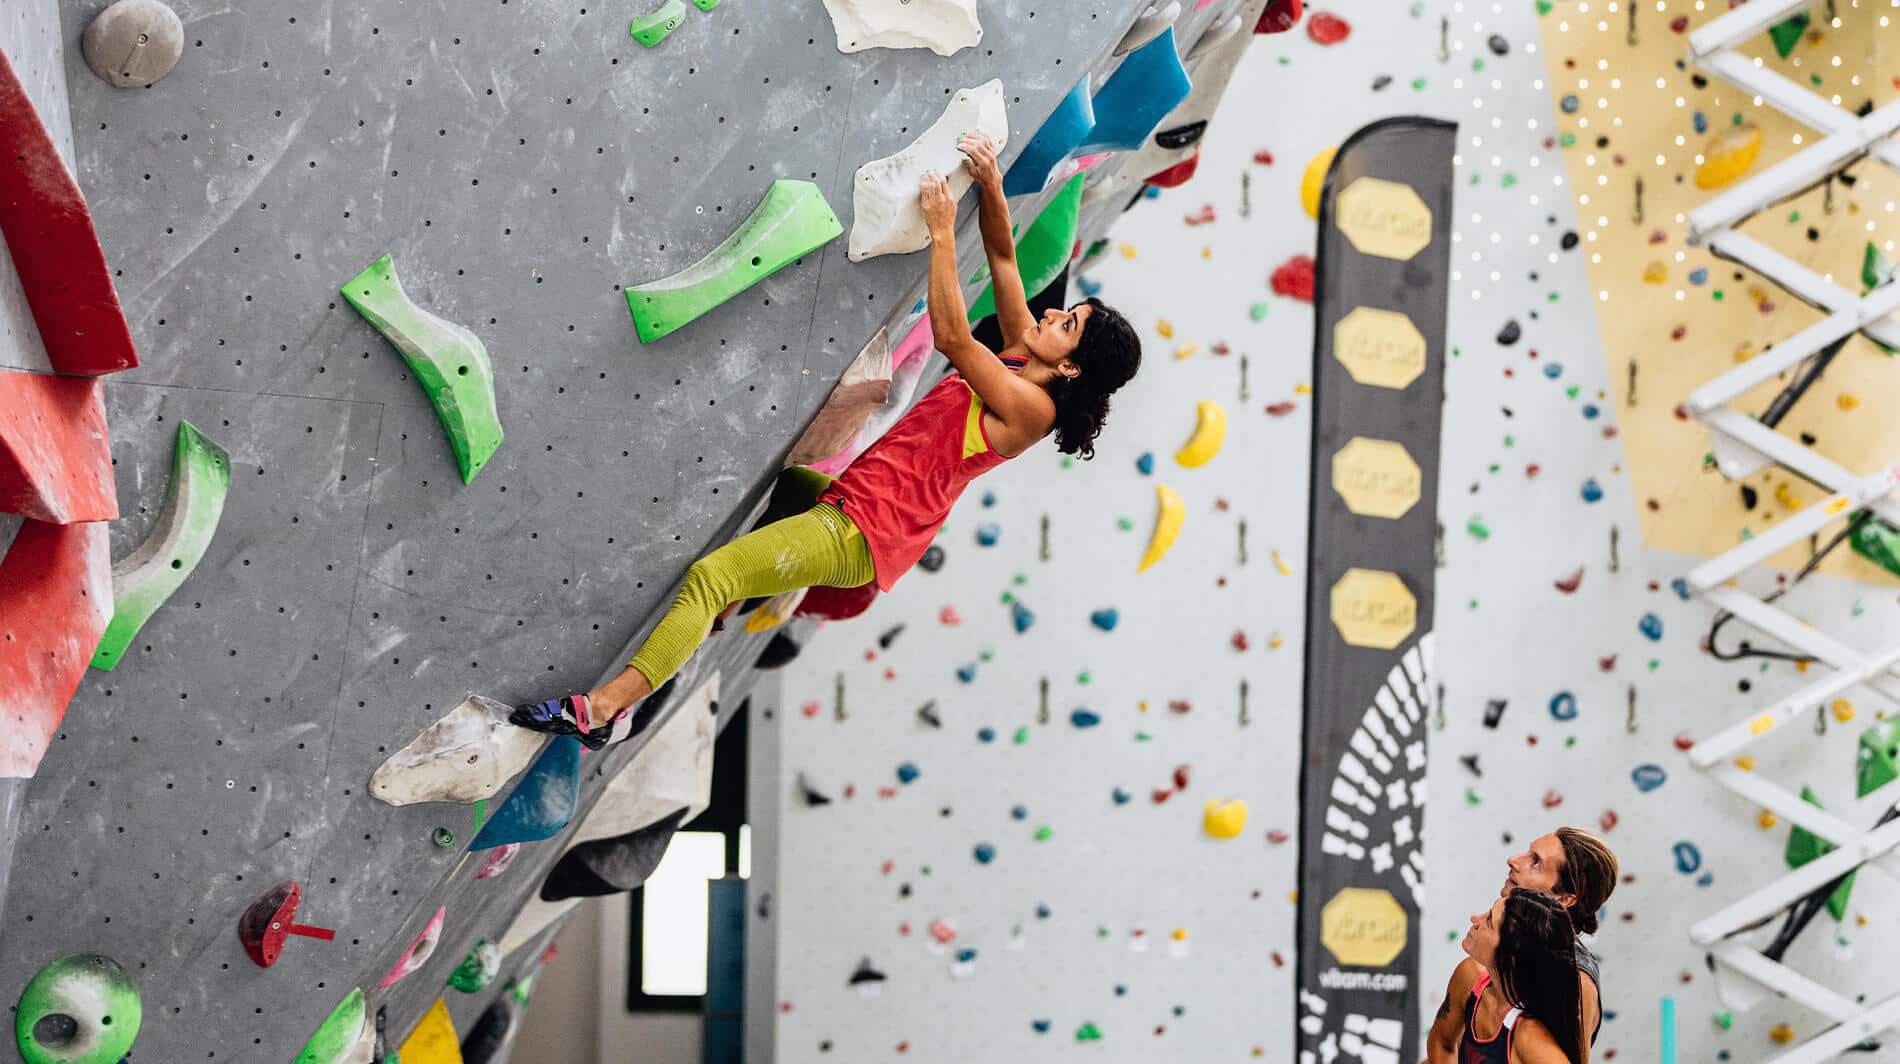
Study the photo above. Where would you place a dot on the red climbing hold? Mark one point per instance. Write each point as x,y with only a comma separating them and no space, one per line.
55,249
1161,794
1679,24
1239,641
55,463
1179,174
1263,157
837,603
1327,29
1569,584
1280,409
1294,277
1278,837
1608,820
1180,777
1180,705
271,919
1202,217
1279,17
1607,664
1552,799
1685,741
55,601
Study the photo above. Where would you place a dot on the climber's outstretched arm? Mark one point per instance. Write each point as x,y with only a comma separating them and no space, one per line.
1003,392
999,242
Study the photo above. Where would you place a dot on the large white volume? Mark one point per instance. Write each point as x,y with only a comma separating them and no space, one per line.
943,26
887,217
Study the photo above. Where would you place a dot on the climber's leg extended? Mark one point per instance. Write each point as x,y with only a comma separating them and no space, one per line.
819,547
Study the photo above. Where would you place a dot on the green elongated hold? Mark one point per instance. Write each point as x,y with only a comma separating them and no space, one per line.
448,361
650,29
1044,249
791,220
1805,846
705,5
80,1009
194,504
338,1034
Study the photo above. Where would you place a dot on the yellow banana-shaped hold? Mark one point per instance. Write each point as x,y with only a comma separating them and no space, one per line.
1210,431
775,611
1168,515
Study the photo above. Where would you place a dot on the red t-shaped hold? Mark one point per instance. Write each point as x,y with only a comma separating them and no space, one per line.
270,920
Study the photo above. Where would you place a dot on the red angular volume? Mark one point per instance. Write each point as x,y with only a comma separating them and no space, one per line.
55,462
55,249
55,602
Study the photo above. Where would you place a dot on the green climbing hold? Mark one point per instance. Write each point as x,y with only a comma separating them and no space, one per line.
1021,736
705,5
1043,252
478,969
194,503
1805,846
1877,759
338,1034
1787,33
1045,833
1478,529
1878,542
448,361
654,27
80,1009
1257,311
790,221
1088,1032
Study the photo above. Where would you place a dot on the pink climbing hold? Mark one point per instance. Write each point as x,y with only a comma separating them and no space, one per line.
1327,29
1294,278
55,249
55,602
943,932
1200,217
949,617
498,860
1277,837
55,462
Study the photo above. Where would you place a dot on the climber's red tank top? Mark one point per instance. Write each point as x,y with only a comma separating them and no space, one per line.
901,488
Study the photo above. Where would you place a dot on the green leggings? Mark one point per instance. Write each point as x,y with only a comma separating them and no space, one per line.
817,548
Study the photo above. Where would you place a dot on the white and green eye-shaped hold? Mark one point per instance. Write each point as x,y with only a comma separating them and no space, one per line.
194,504
80,1009
447,360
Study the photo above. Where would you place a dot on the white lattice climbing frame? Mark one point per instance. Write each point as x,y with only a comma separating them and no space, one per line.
1743,445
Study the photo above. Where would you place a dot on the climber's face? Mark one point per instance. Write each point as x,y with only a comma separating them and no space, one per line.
1054,339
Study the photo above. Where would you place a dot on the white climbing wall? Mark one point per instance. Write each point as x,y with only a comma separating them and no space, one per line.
1534,480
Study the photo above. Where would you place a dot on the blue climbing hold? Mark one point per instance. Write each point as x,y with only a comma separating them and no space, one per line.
1021,616
967,673
542,803
986,735
1699,275
1121,797
1180,1010
1145,465
1053,143
1085,718
1569,104
1019,812
989,499
1705,879
1590,411
1106,620
966,955
1151,192
1680,587
985,853
1553,370
907,772
1688,858
1563,706
1042,911
1041,1026
1592,491
1701,122
987,535
1120,990
1650,626
1648,777
1089,286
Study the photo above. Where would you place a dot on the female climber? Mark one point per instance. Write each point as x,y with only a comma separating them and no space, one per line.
1523,952
1579,871
873,523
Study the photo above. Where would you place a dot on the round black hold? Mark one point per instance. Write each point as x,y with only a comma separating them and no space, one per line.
932,560
1749,497
1570,239
1510,334
1498,45
1181,136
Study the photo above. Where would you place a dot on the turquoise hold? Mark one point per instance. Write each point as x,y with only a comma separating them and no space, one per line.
542,803
986,735
1563,706
1106,620
967,674
985,853
1121,797
1592,491
1648,777
1085,718
987,535
1688,858
1146,463
1651,626
907,772
1021,616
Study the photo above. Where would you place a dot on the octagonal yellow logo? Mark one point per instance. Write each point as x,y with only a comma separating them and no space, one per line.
1384,218
1373,608
1377,478
1363,927
1381,348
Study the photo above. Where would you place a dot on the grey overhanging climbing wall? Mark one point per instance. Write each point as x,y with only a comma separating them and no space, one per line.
522,160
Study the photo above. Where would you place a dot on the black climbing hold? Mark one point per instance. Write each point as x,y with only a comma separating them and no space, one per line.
778,652
1498,45
811,795
609,866
1603,142
1813,233
486,1040
866,973
1181,136
1866,108
1808,438
1749,497
889,636
1570,239
1493,712
1698,81
932,560
1381,82
1511,333
1470,761
903,890
927,713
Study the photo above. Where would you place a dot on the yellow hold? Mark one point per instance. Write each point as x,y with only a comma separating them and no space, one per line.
433,1041
1729,155
1168,515
1224,819
1210,431
1313,181
775,611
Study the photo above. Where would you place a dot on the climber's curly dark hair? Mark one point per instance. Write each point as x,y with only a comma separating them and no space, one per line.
1109,353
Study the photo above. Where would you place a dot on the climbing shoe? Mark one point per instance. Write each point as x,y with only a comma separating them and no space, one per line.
566,715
